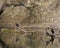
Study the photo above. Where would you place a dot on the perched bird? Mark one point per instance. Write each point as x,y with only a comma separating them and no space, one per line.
17,25
1,11
52,31
2,6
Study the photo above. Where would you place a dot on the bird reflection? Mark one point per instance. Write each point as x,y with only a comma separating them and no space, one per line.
50,35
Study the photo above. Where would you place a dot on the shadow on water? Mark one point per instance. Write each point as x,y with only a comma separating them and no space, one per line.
2,43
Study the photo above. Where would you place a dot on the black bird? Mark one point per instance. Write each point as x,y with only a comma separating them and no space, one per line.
1,11
52,31
17,25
